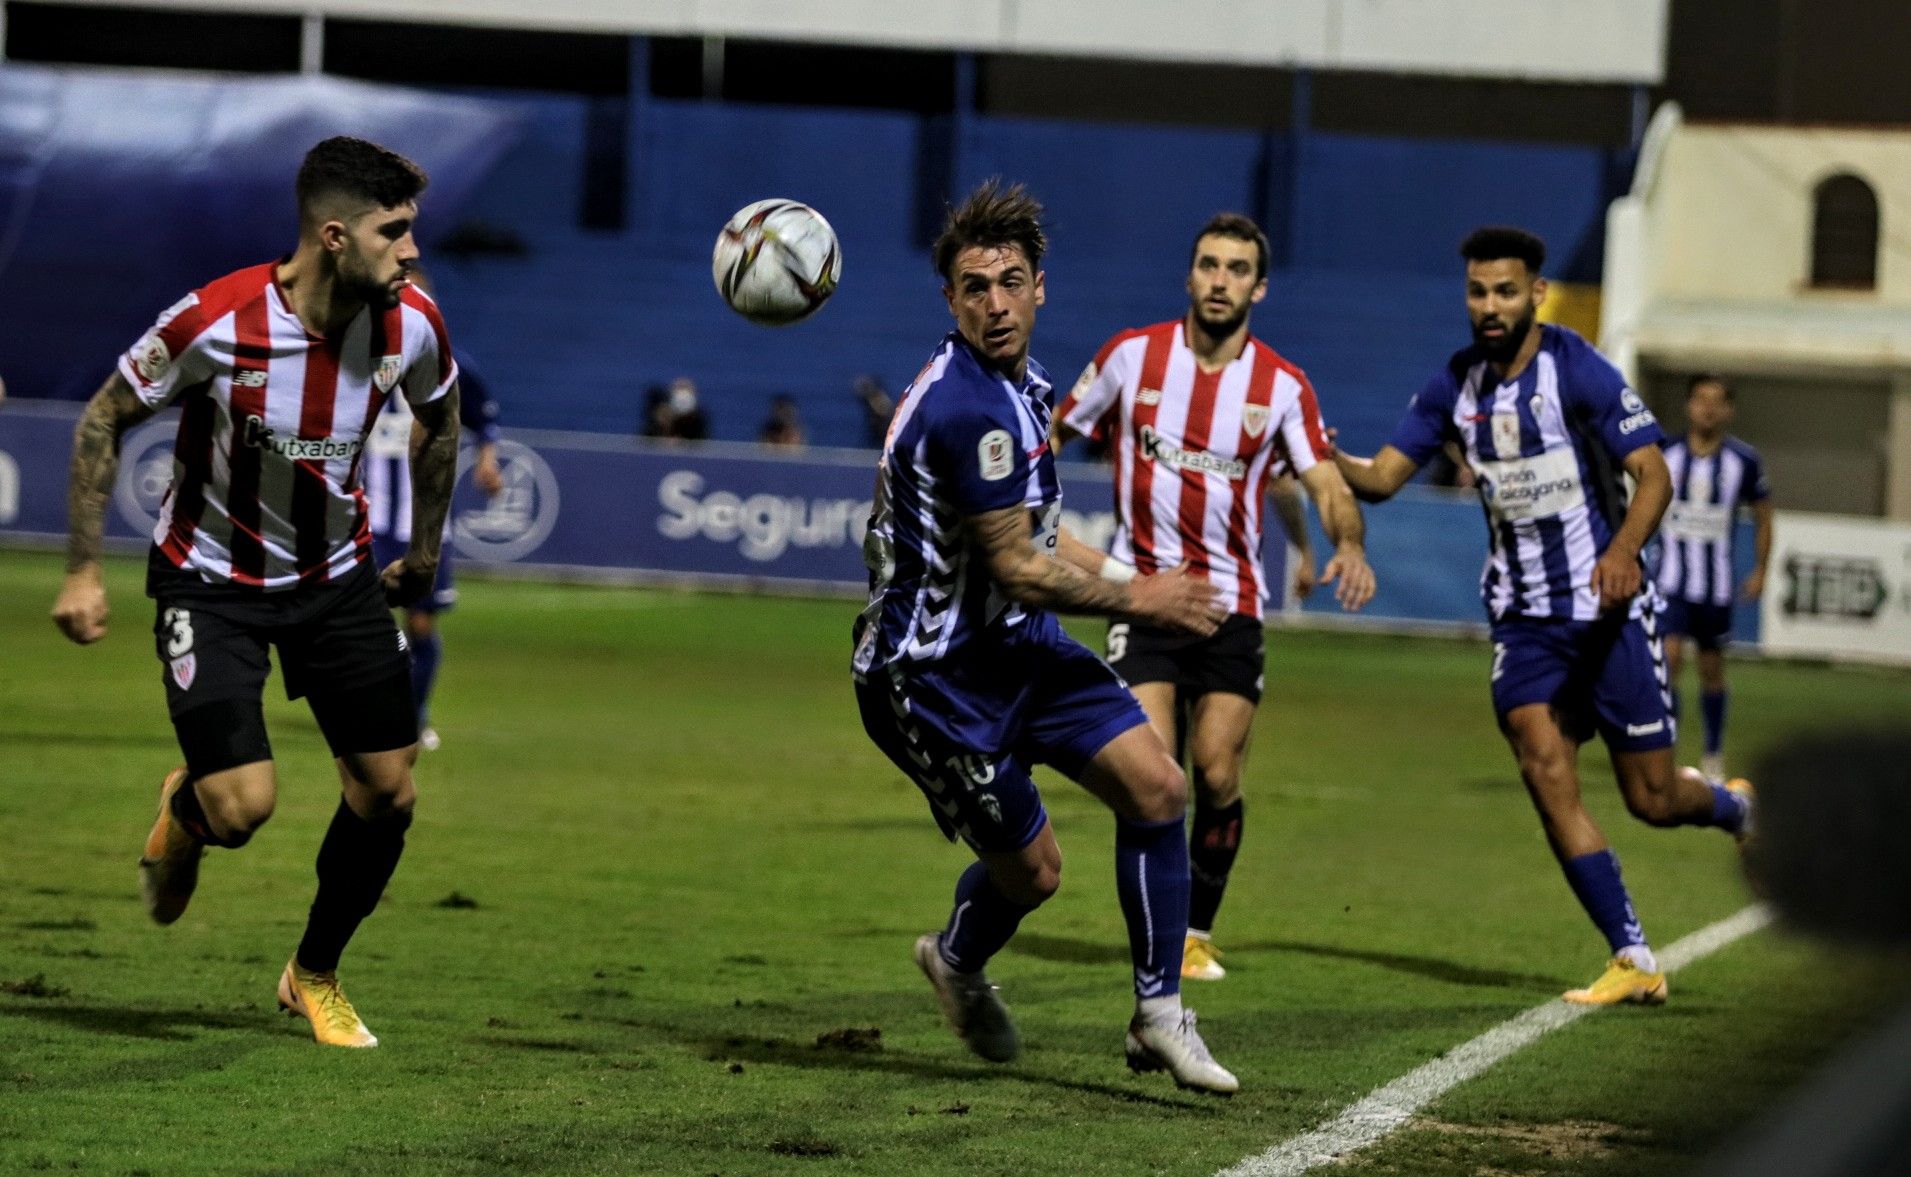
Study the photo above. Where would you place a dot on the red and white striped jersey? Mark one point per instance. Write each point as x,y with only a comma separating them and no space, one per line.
1194,452
265,489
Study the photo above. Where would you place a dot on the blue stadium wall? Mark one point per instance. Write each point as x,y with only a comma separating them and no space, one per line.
115,200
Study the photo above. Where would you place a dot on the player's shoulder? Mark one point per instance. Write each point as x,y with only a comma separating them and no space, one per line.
1134,339
1579,361
1744,449
417,301
218,298
1264,353
955,384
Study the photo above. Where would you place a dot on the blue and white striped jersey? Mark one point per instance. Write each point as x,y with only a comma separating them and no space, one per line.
964,440
1547,449
1695,559
387,472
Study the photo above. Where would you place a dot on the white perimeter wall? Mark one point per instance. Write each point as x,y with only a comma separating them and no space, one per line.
1577,40
1732,213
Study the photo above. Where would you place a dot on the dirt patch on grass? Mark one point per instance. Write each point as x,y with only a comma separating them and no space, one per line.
1570,1140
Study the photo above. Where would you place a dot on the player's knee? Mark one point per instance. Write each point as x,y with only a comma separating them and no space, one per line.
420,624
381,785
1030,883
1160,793
1653,806
236,813
1218,782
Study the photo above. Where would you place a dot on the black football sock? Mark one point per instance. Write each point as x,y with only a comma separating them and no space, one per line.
355,862
1211,850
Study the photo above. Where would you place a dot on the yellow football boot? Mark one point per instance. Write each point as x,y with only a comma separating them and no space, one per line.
1622,982
1743,789
169,866
1201,960
318,999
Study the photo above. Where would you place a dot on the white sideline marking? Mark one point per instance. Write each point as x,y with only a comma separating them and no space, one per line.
1387,1108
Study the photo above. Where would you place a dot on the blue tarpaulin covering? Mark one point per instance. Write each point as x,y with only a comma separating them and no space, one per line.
122,190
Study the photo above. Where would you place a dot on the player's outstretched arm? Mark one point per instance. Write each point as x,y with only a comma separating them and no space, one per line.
1618,574
80,611
1285,494
1340,518
1006,539
1375,479
1754,586
434,468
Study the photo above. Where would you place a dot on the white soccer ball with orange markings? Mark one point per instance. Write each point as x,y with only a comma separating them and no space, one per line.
776,262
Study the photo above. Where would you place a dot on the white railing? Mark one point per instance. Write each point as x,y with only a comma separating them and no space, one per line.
1619,41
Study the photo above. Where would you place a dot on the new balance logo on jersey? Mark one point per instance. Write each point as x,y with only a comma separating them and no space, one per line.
1148,396
1169,454
299,449
250,378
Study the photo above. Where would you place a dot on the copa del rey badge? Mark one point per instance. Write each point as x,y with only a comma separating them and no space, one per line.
1254,419
184,667
388,370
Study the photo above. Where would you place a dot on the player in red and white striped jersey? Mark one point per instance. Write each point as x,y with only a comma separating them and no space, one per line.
1201,417
279,371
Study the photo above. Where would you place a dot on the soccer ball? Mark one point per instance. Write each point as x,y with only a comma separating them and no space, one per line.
776,262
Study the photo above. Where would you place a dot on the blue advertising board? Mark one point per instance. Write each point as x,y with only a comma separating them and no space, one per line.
730,515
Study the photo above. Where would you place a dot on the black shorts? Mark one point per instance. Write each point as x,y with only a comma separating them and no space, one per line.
212,639
1231,661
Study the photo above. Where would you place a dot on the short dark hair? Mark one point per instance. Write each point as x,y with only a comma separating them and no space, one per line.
1238,227
993,215
1698,378
349,166
1490,243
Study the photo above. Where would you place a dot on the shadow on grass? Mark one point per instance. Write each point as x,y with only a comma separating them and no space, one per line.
1066,950
176,1025
777,1052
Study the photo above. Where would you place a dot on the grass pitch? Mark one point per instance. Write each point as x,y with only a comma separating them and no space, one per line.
656,911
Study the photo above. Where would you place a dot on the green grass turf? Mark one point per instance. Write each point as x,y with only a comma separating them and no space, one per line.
688,863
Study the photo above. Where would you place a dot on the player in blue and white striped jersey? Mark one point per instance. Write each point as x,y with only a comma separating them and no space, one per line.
1548,427
1713,474
965,679
387,482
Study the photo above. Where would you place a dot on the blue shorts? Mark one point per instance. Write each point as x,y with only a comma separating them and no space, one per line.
443,594
968,730
1606,676
1709,626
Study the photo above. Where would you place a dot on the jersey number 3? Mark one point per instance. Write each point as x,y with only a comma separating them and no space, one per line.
178,626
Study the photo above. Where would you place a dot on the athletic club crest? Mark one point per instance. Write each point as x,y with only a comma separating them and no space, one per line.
389,368
184,668
1254,419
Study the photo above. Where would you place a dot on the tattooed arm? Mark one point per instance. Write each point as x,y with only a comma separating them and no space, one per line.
81,610
1006,539
434,468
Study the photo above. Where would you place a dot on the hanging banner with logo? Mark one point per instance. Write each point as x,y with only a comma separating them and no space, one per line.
1839,588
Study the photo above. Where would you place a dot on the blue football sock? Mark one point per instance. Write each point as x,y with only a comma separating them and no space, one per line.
425,654
1728,809
1151,876
1595,880
1712,703
982,922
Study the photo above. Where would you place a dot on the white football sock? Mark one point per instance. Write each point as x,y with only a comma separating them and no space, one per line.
1641,957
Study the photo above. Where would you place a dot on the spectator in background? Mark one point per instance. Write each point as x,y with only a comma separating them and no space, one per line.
671,412
877,409
782,429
